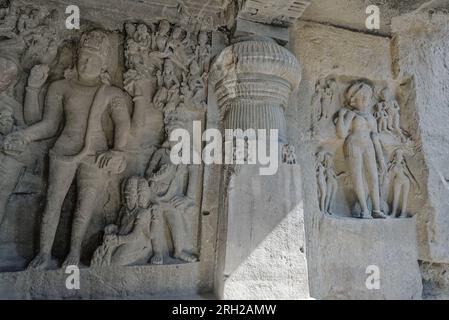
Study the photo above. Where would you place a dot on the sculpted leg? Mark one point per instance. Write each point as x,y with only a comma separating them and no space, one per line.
373,183
90,183
158,239
130,254
60,179
396,195
322,194
355,163
10,170
178,233
405,191
330,194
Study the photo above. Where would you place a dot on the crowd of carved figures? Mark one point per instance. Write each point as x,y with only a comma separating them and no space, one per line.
97,134
367,122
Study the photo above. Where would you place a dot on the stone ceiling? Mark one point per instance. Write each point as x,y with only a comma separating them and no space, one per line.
351,13
342,13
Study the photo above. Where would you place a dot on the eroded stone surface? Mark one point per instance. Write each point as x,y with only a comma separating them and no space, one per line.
351,251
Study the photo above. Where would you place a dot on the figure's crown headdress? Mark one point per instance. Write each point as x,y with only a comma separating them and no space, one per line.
95,41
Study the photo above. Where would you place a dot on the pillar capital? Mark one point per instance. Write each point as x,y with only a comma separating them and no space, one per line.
253,82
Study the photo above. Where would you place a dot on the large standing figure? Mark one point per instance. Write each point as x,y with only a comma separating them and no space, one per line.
83,108
363,150
13,117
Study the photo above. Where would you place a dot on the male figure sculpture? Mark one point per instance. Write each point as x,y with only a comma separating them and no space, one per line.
80,107
168,185
173,209
12,118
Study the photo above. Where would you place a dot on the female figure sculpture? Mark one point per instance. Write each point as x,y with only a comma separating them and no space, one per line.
401,177
362,147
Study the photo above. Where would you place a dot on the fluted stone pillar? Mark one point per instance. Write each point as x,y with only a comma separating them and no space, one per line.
254,80
261,249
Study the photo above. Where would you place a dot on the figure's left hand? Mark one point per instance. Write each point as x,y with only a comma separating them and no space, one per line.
38,76
112,161
178,201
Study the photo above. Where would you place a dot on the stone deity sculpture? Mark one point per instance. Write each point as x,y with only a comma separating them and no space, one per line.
168,184
362,148
79,107
400,178
12,119
147,124
391,107
331,182
174,210
320,171
129,241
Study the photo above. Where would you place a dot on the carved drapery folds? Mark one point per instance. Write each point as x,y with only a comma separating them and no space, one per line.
254,80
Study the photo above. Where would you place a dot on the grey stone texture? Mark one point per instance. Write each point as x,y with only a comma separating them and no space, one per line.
358,198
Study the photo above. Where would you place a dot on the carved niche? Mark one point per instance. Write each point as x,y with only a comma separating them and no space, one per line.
361,165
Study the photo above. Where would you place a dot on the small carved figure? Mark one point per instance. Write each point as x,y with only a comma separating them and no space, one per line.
382,117
331,182
28,21
329,98
362,147
196,86
288,154
162,36
168,78
169,86
320,171
401,177
168,186
317,99
203,51
130,29
129,241
323,101
392,109
8,20
179,48
142,36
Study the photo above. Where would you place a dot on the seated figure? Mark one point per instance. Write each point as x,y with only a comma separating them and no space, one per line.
129,241
173,209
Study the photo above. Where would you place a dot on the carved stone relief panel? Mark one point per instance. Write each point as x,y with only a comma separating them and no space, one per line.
361,166
100,147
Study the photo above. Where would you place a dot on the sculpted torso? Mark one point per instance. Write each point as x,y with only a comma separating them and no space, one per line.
77,102
69,107
362,126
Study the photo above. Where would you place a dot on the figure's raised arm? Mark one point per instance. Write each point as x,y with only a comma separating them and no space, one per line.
32,111
343,122
52,117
